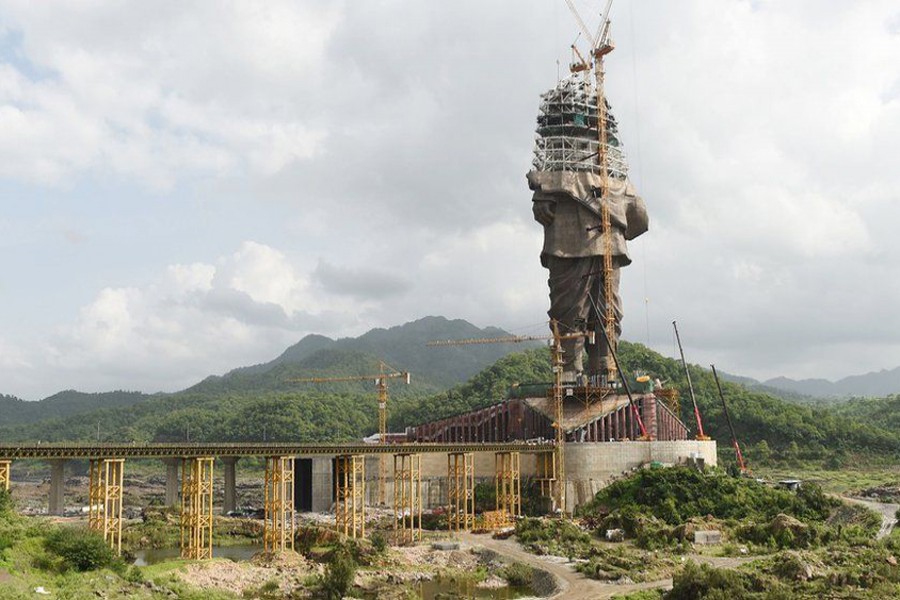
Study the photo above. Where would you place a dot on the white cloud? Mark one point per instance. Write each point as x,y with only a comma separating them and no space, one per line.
139,92
393,139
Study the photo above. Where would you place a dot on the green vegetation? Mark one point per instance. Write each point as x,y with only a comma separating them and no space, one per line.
599,561
678,494
662,507
260,403
80,549
339,573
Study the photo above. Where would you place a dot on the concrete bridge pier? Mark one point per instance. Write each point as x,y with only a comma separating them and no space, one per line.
172,482
322,483
57,487
229,503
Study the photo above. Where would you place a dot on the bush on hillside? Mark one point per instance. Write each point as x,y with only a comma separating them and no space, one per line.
80,549
678,494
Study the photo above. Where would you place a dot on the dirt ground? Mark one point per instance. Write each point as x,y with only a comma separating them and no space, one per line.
289,570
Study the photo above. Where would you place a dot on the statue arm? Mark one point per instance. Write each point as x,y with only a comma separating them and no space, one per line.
543,206
636,217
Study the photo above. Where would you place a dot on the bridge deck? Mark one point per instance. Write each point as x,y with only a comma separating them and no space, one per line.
45,451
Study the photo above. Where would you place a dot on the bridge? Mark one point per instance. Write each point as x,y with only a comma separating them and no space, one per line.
346,482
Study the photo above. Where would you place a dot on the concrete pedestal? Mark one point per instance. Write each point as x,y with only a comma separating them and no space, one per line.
229,503
172,481
322,484
57,487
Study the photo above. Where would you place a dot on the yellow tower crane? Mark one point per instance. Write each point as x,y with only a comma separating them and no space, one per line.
381,383
601,45
557,338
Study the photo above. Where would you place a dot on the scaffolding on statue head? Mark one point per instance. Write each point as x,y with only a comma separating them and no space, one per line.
566,137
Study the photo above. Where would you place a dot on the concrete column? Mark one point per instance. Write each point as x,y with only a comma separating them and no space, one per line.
172,481
57,487
648,408
229,503
322,483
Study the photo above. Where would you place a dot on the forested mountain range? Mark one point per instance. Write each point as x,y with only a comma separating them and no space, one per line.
876,384
768,427
402,347
63,404
258,403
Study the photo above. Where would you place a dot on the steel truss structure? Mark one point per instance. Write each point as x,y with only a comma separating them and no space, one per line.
279,523
196,507
508,484
408,497
105,491
5,474
350,488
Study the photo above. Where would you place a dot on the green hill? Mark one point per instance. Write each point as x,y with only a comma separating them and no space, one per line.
403,347
769,428
15,411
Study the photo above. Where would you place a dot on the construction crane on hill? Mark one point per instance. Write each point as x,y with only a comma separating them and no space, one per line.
737,447
556,348
381,383
687,373
600,45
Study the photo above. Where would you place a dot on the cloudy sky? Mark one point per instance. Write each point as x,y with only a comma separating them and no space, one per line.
187,187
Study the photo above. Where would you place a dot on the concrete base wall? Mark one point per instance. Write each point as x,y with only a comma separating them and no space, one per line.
592,466
589,468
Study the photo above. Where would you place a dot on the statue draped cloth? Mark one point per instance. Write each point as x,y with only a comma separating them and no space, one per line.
566,204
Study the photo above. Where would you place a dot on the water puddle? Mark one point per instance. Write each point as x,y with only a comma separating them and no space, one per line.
152,556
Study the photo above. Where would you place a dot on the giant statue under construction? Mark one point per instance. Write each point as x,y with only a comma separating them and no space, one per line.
589,209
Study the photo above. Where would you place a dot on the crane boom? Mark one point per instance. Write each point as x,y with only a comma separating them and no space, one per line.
603,27
584,29
374,378
700,433
737,447
511,339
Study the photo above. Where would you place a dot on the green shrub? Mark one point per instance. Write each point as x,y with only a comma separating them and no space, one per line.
6,504
702,582
80,549
379,542
339,574
516,573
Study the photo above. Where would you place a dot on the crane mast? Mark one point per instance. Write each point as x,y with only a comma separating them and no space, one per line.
386,373
601,45
559,495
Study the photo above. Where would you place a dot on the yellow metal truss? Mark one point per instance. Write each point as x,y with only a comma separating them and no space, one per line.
196,507
508,484
350,487
5,474
461,493
546,474
105,491
408,496
278,534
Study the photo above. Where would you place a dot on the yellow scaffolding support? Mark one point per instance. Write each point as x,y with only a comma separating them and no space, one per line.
350,505
105,491
461,493
546,475
196,507
508,484
408,496
278,533
5,473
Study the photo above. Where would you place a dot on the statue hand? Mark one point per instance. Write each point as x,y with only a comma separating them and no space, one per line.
543,211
